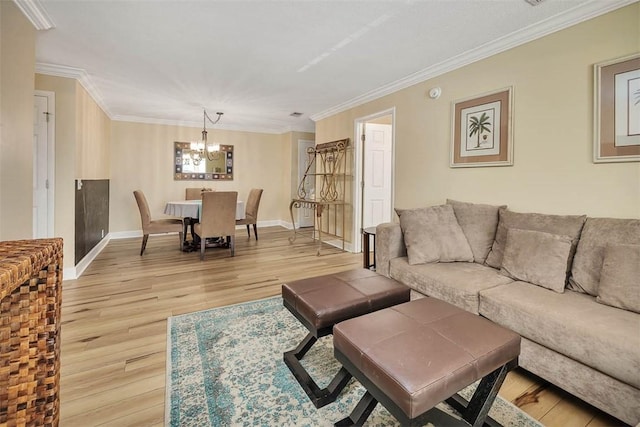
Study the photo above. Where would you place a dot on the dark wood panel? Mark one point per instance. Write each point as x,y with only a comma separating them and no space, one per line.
92,214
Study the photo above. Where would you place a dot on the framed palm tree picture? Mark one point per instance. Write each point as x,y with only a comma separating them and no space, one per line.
481,130
616,121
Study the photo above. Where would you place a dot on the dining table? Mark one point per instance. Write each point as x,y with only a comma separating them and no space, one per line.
191,209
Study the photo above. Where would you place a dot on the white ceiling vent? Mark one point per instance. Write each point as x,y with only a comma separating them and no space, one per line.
534,2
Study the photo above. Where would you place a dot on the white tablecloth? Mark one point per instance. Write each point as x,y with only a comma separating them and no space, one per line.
191,209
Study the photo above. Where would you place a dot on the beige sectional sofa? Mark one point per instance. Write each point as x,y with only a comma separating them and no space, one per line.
568,284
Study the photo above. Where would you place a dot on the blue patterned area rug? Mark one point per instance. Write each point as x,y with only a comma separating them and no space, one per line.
225,368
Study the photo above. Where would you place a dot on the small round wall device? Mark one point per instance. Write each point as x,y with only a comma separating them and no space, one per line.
434,93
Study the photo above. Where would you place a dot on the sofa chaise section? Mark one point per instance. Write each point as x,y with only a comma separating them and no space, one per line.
589,349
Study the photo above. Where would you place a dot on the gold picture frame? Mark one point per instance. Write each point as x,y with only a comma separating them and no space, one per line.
481,130
616,110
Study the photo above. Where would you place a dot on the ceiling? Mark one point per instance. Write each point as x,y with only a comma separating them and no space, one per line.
260,61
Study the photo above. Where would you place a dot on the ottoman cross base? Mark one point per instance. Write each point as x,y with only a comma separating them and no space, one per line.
474,412
321,302
319,397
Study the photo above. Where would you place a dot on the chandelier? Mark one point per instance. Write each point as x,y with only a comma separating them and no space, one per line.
201,149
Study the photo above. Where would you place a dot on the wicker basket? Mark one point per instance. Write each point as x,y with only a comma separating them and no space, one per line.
30,296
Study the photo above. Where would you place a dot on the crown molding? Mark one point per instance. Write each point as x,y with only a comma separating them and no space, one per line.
198,124
35,13
75,73
567,19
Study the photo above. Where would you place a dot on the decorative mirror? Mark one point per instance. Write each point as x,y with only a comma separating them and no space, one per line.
200,164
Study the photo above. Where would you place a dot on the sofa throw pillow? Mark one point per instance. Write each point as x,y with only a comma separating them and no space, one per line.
596,235
479,223
620,277
433,235
537,257
562,225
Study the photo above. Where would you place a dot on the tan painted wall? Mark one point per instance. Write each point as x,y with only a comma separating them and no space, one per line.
83,134
553,170
142,158
93,136
17,62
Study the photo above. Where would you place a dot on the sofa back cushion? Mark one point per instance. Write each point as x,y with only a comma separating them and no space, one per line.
597,234
479,223
620,277
433,235
537,257
563,225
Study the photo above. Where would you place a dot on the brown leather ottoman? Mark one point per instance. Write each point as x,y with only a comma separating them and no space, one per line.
321,302
415,355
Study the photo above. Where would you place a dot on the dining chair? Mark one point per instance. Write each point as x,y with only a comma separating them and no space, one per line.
158,226
195,193
251,211
217,218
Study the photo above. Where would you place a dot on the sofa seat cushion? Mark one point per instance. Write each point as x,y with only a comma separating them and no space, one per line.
458,283
571,323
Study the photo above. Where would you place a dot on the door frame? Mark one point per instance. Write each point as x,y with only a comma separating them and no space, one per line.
51,158
358,183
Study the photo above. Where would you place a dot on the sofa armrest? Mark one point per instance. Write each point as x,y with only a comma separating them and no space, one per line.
389,245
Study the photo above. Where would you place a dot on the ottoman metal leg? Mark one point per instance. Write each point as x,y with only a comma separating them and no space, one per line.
476,411
360,413
319,397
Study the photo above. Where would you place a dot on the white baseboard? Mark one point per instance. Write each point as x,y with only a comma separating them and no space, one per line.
126,234
338,244
71,273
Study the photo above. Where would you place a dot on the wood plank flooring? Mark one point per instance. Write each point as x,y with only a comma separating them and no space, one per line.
114,324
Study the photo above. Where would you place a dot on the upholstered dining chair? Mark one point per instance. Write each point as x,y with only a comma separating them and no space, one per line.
195,193
251,211
157,226
217,218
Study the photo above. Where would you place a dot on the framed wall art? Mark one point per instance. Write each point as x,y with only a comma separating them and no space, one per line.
481,132
616,110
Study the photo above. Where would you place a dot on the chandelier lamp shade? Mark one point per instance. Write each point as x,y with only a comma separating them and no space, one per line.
202,149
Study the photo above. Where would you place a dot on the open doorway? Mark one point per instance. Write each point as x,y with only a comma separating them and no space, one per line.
373,195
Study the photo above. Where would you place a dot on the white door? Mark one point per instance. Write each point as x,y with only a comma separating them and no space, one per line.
42,166
376,199
305,215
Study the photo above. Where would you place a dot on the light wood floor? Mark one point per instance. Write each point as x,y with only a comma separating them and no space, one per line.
114,324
